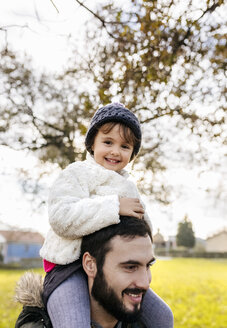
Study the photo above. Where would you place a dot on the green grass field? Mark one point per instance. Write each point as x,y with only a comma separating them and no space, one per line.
195,289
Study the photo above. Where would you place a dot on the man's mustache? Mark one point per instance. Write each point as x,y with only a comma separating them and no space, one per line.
135,291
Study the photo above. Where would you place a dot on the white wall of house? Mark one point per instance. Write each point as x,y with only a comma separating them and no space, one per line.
3,247
217,243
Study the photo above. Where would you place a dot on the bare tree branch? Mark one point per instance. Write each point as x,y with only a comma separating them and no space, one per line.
104,22
5,28
35,118
54,5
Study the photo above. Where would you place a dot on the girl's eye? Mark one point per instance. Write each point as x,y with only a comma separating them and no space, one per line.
125,147
107,142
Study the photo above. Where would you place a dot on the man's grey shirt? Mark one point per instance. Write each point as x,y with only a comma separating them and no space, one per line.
120,325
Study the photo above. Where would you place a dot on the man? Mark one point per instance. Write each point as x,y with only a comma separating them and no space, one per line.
117,262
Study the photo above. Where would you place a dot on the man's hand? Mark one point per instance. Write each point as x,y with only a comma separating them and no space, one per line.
131,207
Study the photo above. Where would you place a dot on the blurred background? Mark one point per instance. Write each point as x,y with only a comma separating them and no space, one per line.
165,60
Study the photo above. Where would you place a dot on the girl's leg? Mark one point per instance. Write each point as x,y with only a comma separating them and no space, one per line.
155,312
68,305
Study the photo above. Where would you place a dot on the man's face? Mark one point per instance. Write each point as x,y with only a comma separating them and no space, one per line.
119,287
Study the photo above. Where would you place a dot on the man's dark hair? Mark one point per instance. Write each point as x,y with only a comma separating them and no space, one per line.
98,243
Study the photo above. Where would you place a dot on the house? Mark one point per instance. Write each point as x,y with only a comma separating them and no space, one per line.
200,245
171,243
217,242
158,240
18,245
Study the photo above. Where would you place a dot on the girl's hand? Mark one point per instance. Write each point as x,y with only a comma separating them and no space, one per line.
131,207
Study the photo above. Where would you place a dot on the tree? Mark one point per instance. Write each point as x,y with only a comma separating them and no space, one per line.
158,56
162,59
185,234
166,61
40,112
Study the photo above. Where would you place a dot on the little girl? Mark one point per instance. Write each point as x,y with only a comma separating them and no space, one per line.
88,196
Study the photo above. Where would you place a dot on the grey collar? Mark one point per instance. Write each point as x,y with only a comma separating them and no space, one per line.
97,325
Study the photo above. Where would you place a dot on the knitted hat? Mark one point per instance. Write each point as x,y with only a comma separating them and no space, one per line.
115,112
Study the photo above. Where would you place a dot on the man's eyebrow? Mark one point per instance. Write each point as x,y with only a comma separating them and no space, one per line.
151,262
130,262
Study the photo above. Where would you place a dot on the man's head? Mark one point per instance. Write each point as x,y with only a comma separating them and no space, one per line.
117,261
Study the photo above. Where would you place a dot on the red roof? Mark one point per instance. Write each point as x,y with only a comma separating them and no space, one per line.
22,236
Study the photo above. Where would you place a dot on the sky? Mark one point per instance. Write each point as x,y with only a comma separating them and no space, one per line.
45,40
45,37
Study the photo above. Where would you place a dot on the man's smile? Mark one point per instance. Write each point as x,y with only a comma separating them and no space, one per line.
134,295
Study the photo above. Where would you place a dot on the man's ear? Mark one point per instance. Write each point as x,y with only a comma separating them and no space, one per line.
89,265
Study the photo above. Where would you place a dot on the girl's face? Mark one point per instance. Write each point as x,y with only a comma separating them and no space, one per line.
111,150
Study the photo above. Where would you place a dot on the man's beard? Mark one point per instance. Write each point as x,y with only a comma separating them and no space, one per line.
109,300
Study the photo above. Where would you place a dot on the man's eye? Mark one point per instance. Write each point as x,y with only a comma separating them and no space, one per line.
130,267
150,264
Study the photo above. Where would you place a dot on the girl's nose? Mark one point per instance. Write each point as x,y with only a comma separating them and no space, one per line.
115,150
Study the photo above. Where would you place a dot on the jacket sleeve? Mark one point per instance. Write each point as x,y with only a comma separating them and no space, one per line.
75,212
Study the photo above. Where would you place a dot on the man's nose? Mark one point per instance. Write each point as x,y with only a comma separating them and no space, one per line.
144,279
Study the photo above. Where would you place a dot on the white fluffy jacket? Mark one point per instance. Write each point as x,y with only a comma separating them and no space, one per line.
84,199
